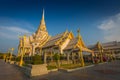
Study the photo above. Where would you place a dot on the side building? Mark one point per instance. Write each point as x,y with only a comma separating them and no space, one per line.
112,47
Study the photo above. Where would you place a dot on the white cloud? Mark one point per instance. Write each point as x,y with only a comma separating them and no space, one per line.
107,25
10,29
111,28
12,32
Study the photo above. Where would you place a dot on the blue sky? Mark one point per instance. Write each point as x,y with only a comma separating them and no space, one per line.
98,20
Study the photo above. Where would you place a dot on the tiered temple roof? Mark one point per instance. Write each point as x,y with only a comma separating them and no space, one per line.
71,44
111,45
76,44
55,40
108,45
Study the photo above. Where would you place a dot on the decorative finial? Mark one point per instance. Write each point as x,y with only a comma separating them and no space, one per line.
98,45
78,31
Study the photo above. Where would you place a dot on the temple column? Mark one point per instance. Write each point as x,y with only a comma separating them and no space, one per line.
51,55
45,58
93,57
21,58
68,58
81,58
18,52
111,56
33,50
40,51
113,52
73,58
101,55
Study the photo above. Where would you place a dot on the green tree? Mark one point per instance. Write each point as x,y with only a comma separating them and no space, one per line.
37,60
18,58
57,59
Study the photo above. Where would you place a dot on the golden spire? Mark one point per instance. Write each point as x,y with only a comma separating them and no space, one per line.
43,21
80,38
42,26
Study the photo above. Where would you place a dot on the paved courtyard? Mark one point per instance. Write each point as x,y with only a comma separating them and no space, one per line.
10,72
106,71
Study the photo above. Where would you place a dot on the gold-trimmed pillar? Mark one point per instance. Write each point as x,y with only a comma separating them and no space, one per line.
68,59
81,58
45,57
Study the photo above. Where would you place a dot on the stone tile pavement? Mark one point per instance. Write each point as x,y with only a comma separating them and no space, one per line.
106,71
10,72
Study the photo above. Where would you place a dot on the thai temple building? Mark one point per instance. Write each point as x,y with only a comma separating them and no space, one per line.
43,44
106,50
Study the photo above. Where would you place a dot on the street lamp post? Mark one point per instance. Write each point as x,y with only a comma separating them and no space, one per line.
12,49
7,56
4,57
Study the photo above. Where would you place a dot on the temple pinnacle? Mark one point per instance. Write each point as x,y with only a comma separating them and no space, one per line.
42,26
43,15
